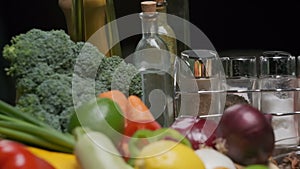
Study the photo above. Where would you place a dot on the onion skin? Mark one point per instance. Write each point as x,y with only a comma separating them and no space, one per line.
197,130
248,134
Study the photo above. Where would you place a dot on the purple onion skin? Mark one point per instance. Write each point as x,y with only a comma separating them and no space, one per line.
197,130
248,133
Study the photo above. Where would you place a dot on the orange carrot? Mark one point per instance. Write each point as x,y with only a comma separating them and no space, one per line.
138,111
139,117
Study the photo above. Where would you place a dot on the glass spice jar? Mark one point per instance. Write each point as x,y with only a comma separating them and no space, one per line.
241,80
199,78
277,82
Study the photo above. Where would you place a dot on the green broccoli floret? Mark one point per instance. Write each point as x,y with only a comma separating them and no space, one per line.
115,73
51,70
35,76
87,61
55,96
30,104
55,91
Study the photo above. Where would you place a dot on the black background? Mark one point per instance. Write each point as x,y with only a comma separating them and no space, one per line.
230,25
250,24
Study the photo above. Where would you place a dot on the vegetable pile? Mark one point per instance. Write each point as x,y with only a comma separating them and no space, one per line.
114,129
229,142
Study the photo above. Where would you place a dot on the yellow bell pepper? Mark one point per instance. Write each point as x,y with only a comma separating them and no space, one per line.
167,154
57,159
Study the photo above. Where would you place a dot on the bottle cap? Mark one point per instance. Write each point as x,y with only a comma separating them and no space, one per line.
148,6
277,63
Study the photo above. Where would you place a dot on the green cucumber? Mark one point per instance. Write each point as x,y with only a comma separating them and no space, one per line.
95,150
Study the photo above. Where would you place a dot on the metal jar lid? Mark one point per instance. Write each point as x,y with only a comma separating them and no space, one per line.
277,63
200,62
240,66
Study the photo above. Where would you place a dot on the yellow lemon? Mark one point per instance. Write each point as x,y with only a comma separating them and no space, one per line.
165,154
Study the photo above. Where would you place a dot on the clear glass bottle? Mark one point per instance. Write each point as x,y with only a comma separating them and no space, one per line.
165,31
153,60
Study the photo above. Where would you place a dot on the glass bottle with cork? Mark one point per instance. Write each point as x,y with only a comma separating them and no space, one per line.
164,29
153,60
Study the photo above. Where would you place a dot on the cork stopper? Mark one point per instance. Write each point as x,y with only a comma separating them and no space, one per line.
148,6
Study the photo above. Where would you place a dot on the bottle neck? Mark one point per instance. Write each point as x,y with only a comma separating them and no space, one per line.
149,24
162,18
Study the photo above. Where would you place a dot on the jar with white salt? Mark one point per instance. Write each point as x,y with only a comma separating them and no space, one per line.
277,82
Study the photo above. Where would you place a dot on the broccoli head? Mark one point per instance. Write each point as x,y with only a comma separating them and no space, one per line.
48,66
54,48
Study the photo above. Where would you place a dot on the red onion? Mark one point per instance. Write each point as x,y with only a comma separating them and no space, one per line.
248,134
196,130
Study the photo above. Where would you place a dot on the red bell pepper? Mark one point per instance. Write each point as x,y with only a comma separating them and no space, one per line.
138,117
14,155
